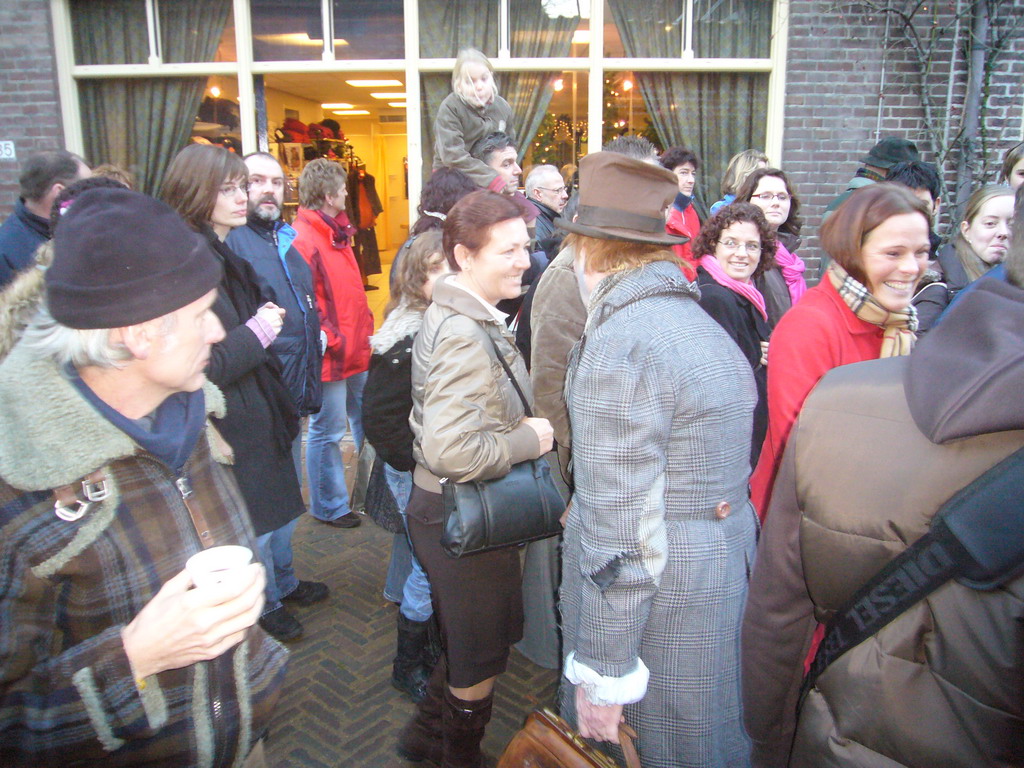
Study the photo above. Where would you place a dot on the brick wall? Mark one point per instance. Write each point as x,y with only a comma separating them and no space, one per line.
836,93
29,106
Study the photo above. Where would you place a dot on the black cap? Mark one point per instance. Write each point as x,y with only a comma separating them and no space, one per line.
121,258
889,151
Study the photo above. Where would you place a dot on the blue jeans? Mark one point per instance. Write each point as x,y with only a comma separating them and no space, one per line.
275,550
342,408
416,591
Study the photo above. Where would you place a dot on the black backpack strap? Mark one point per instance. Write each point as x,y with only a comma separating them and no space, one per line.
976,537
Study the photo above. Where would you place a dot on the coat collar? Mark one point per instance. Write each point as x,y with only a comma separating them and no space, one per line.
618,290
52,436
37,224
451,296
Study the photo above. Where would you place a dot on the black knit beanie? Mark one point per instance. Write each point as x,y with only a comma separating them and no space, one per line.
121,258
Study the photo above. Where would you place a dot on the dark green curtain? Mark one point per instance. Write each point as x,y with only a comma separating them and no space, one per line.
140,124
533,35
716,114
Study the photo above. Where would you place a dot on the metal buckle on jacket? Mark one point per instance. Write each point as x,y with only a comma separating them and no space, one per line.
94,492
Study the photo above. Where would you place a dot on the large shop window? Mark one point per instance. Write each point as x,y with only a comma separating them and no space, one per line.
140,124
538,31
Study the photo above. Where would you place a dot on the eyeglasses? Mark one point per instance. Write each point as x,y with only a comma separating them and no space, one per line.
556,190
767,197
731,245
229,190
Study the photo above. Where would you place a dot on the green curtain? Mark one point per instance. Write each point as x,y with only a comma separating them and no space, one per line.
141,123
717,114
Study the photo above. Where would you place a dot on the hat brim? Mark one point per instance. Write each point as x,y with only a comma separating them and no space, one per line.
877,162
619,233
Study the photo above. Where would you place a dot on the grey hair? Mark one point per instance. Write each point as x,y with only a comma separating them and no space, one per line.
537,175
46,338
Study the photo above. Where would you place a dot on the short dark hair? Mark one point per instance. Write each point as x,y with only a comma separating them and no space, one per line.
844,232
917,175
193,181
67,196
1013,156
491,143
738,213
791,225
444,188
636,147
1014,260
44,169
673,157
471,219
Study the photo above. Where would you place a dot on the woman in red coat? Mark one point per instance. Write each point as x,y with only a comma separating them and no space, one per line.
324,240
878,240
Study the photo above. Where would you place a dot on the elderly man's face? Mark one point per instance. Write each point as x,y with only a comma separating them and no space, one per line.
552,192
181,346
504,162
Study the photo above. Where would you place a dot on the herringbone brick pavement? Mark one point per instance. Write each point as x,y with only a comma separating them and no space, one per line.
338,707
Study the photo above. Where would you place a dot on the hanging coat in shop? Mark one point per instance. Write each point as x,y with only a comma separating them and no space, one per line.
364,208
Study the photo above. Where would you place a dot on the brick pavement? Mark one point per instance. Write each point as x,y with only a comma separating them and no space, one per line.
338,707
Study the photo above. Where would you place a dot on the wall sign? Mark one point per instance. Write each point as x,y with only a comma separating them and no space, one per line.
7,150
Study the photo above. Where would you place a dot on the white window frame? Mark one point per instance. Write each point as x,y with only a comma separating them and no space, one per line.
595,64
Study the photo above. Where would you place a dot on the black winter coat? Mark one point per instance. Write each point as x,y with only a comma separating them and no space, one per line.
742,321
387,402
285,279
261,420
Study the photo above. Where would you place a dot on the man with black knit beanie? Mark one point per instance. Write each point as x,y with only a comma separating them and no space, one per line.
110,480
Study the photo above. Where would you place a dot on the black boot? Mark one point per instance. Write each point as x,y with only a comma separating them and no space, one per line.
408,673
421,738
432,649
464,724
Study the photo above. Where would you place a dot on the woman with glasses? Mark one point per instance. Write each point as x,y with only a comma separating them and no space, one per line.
783,284
735,248
206,185
878,240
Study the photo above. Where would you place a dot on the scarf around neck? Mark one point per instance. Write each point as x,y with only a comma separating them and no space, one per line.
792,268
899,327
746,290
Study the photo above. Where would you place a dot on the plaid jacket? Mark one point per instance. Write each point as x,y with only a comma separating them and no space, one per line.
654,565
67,589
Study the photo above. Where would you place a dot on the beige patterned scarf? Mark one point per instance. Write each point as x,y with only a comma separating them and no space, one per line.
899,327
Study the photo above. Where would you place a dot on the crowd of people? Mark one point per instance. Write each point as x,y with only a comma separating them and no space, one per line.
793,532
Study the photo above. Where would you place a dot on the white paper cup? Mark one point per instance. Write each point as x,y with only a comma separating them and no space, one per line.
217,564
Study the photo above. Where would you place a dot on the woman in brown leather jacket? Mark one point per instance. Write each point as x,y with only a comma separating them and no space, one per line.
468,423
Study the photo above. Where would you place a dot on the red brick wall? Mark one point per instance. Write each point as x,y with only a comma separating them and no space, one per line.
29,106
835,93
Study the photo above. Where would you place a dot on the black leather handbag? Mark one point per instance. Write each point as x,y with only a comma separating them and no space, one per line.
522,506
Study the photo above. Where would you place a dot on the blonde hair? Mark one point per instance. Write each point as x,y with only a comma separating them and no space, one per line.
460,80
617,255
740,166
972,263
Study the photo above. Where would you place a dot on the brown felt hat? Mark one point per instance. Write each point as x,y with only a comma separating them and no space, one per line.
623,199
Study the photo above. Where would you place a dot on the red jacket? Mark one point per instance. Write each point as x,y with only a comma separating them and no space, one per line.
818,334
684,223
341,300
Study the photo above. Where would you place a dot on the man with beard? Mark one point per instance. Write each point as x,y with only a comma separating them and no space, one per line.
285,279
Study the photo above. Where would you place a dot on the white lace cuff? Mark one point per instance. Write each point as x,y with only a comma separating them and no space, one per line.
603,690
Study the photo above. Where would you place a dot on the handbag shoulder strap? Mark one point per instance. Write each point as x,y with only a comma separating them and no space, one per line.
975,537
515,384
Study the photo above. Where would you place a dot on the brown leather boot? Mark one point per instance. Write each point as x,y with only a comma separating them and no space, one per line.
422,739
464,723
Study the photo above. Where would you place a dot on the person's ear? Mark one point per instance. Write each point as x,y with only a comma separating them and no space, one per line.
936,205
137,339
964,226
463,257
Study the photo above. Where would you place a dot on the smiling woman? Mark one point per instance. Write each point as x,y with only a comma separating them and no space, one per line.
878,239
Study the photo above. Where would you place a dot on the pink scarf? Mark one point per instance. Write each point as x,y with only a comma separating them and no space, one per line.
792,267
746,290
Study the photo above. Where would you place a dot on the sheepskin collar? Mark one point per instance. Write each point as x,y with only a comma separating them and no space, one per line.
51,435
401,323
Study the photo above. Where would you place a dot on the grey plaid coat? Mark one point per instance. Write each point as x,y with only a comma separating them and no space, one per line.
661,401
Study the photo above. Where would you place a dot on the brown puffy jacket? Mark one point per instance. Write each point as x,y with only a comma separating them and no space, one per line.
467,419
862,478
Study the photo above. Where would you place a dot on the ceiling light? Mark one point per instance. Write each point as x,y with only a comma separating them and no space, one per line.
374,83
398,104
385,96
581,37
298,38
336,105
558,84
351,112
215,92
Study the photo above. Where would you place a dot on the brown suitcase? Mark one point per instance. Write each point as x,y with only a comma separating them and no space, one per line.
547,741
